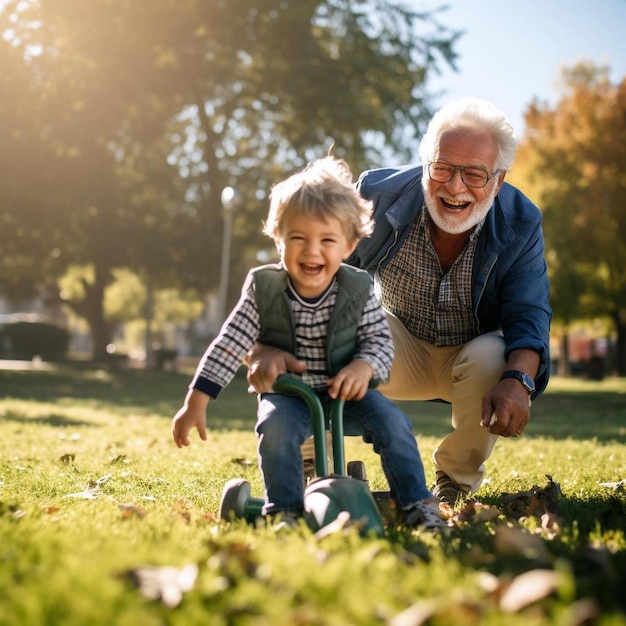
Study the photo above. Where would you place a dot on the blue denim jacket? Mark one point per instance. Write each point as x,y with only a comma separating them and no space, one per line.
510,288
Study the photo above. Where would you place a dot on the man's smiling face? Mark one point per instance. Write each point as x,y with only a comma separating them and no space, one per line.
453,206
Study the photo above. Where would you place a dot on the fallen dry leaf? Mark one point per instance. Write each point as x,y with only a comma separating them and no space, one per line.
417,614
165,583
92,490
181,508
528,588
552,523
545,499
537,502
489,582
515,541
614,486
99,482
10,509
244,462
88,494
583,611
476,512
446,511
130,510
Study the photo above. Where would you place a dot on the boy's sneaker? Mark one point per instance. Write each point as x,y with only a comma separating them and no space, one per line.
425,515
287,519
447,491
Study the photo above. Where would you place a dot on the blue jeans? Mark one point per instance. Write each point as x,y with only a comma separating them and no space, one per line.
283,424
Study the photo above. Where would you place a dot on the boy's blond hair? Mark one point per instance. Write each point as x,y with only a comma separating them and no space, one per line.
321,191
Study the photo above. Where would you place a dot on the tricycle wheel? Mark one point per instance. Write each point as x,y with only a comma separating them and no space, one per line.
356,469
234,499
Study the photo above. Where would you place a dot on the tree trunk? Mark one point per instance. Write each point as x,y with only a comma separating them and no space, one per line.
148,314
620,349
94,313
91,309
564,368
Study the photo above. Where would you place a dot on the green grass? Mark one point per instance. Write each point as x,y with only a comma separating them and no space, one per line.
69,433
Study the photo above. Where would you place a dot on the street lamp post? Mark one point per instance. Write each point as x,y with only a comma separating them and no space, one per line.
228,200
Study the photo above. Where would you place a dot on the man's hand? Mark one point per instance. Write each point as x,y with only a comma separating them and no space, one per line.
266,364
351,382
505,409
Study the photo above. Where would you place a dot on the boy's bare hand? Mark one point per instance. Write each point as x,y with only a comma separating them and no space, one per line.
191,415
351,382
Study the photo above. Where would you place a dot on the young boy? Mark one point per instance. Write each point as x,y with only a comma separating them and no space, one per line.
325,313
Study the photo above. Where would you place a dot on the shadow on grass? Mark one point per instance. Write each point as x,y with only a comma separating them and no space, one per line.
583,414
562,415
122,387
589,514
599,568
580,415
594,513
54,420
132,390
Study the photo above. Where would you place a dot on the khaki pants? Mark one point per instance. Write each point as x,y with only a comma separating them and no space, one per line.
460,375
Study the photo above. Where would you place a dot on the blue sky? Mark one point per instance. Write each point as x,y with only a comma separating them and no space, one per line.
513,50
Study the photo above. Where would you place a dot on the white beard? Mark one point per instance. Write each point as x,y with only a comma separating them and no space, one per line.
456,225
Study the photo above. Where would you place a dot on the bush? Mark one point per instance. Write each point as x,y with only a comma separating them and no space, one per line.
27,339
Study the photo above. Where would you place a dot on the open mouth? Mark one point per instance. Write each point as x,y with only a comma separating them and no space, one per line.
311,270
454,205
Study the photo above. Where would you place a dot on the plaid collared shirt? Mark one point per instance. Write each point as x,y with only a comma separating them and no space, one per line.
434,306
241,330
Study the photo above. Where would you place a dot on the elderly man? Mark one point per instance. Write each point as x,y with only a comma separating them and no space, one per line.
457,255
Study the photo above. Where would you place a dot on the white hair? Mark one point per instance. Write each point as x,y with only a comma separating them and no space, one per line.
475,115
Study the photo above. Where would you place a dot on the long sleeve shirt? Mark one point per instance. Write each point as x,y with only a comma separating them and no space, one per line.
241,330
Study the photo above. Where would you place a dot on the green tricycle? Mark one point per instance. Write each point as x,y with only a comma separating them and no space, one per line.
327,495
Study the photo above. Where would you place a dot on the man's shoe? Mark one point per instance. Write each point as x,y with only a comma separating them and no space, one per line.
307,449
425,515
308,469
447,491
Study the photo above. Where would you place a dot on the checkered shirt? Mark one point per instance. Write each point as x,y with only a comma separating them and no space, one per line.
434,306
241,330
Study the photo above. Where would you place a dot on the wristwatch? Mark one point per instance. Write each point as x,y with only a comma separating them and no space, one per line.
523,377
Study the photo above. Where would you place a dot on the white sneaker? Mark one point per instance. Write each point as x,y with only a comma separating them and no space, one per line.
425,515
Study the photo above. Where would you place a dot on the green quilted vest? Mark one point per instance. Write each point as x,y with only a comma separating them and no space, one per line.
276,316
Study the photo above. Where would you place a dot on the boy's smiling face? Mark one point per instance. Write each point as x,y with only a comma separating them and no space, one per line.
312,251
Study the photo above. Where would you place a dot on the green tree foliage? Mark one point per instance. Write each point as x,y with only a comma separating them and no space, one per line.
573,160
121,122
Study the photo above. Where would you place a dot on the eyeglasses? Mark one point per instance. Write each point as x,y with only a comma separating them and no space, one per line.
473,177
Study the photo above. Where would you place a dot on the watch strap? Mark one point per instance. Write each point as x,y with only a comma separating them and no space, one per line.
524,378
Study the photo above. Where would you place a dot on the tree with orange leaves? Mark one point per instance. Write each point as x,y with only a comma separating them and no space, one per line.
572,162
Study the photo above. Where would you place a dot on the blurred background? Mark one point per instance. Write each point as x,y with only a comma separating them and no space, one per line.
139,141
